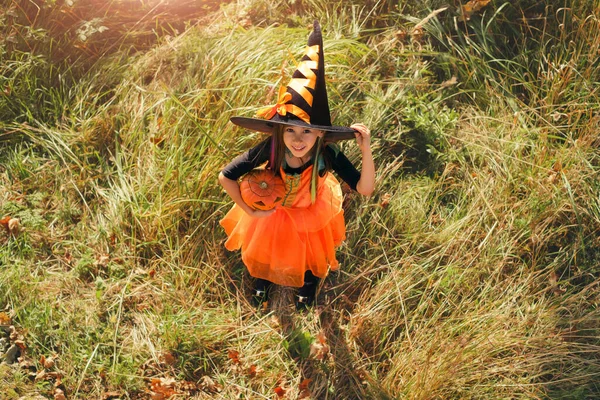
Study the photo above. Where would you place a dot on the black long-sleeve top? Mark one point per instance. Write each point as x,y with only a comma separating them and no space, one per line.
259,154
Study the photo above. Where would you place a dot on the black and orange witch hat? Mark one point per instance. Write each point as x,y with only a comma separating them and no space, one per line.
304,101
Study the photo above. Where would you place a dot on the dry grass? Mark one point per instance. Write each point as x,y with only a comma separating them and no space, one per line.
471,274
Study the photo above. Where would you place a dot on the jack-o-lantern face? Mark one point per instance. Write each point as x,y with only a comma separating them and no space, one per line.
261,189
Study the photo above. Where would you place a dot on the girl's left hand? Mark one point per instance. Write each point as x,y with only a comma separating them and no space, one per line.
363,136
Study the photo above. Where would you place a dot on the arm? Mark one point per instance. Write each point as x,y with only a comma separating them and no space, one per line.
366,183
233,190
228,177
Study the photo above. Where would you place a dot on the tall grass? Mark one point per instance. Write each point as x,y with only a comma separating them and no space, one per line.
472,273
49,47
536,57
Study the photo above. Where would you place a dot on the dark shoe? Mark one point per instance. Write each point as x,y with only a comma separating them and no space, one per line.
260,294
260,298
304,302
306,294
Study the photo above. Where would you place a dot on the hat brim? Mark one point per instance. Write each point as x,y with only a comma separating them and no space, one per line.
332,133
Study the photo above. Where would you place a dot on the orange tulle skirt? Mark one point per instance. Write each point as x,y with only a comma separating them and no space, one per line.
299,236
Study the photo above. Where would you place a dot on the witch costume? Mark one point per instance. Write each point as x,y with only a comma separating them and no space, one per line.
299,238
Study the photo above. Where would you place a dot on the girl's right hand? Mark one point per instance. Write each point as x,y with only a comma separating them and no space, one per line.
261,213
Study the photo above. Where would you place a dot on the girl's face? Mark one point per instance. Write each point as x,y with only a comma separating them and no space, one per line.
300,140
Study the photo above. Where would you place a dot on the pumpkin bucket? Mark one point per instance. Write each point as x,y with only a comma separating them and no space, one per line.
261,189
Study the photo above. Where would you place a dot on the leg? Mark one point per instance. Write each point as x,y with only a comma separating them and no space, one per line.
260,294
306,294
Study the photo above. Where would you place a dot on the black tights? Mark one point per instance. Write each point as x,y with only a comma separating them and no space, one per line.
262,284
308,290
310,285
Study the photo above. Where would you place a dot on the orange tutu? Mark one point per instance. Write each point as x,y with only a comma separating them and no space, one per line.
297,237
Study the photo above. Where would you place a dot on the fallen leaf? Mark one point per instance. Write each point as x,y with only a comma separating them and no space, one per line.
59,394
164,386
234,356
102,261
279,391
552,178
187,386
385,200
471,7
13,335
319,349
208,385
4,221
264,307
111,395
5,319
416,34
304,384
40,376
450,82
166,358
321,338
304,391
479,4
253,371
13,226
157,396
56,376
401,35
557,167
49,362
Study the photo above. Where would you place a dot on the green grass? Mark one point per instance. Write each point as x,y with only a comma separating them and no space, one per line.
471,273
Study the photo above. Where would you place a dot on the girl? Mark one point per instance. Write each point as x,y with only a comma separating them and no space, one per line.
294,243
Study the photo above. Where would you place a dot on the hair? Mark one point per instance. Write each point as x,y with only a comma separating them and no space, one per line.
277,156
277,149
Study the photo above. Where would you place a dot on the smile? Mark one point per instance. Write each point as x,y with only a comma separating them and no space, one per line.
299,148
